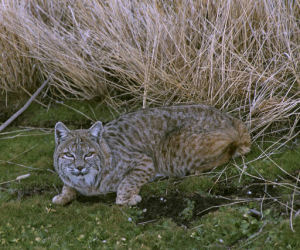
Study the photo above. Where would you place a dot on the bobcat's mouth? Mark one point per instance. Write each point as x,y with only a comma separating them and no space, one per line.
78,172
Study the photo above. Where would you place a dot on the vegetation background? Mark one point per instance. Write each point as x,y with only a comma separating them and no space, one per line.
109,57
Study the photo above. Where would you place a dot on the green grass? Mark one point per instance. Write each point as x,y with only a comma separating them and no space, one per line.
174,213
74,114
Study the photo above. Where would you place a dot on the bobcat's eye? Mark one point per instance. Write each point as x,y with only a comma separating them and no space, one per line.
89,155
68,156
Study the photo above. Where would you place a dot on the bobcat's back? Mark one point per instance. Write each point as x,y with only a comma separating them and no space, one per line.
148,131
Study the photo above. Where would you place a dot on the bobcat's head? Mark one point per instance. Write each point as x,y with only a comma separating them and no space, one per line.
80,155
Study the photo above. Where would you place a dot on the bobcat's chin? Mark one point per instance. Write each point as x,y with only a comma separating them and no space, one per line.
83,178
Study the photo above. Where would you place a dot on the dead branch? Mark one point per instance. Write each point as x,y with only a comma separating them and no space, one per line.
20,111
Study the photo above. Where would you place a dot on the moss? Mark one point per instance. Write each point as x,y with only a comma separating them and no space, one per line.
75,114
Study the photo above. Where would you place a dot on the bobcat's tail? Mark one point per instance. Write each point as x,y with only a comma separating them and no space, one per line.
243,143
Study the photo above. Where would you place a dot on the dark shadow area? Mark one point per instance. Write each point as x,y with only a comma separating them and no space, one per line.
31,191
182,208
108,199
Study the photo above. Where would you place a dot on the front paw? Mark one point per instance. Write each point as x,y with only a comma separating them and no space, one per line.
133,200
61,199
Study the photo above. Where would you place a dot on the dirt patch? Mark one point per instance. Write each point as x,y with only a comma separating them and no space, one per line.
108,199
31,191
182,208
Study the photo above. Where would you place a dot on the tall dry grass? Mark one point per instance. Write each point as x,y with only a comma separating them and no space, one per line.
239,55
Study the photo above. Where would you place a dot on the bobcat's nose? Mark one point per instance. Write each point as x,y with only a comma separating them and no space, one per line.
80,170
80,167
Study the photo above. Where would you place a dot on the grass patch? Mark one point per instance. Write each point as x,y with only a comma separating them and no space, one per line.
236,227
225,208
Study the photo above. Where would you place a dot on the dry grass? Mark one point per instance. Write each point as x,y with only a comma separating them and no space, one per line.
239,55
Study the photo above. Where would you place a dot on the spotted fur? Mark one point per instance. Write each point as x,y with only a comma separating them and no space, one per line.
131,150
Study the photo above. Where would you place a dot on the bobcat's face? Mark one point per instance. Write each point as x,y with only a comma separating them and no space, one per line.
80,162
78,158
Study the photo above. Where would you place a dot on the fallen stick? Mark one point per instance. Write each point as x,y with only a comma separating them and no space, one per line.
20,111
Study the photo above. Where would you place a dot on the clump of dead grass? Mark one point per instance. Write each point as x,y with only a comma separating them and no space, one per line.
242,56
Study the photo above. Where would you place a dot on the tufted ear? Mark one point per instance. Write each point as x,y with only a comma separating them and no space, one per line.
61,131
96,130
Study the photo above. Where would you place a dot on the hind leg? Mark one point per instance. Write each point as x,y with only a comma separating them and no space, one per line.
219,147
213,161
197,151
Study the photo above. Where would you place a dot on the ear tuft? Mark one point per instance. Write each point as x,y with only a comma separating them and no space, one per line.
96,130
61,131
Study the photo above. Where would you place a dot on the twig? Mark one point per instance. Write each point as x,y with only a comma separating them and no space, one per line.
243,170
16,131
20,111
24,152
56,189
21,165
240,200
46,130
146,222
223,205
22,135
255,235
292,205
18,178
27,92
218,179
76,110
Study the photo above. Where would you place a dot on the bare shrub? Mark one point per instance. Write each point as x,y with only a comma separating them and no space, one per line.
242,56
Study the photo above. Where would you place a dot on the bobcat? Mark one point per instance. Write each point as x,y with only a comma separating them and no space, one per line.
127,152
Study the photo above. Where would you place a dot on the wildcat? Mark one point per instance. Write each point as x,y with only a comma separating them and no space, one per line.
127,152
